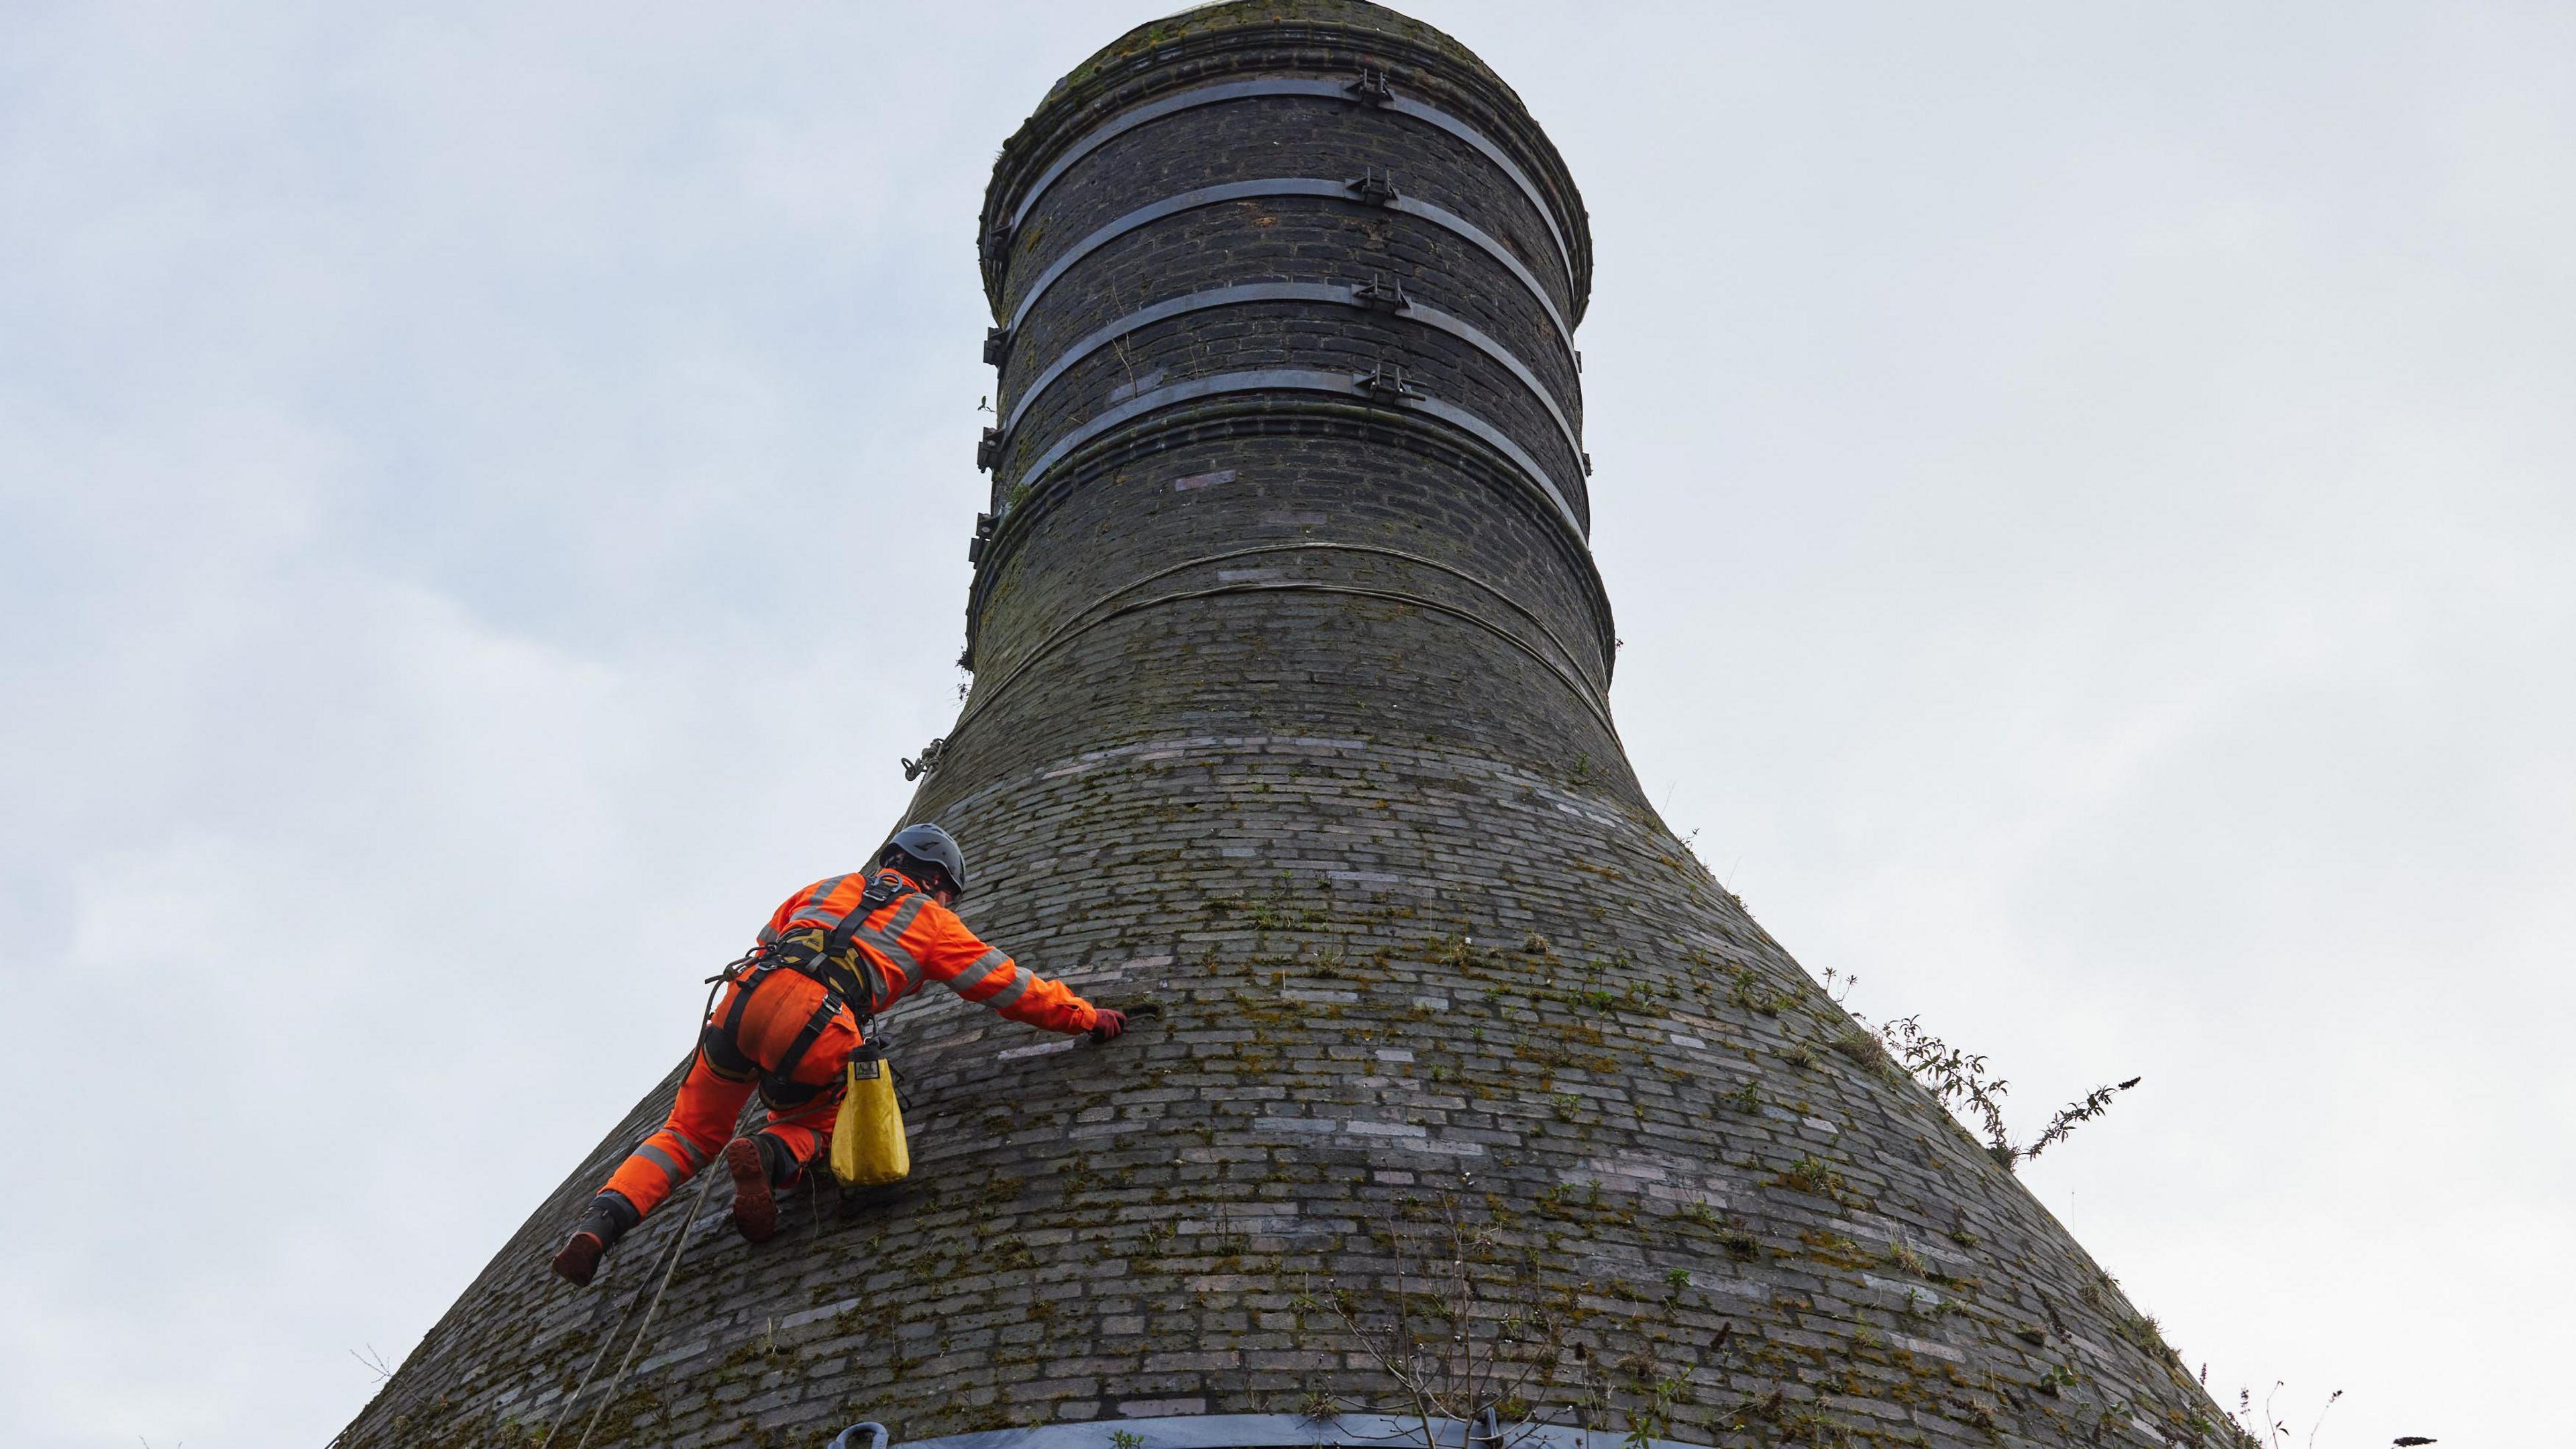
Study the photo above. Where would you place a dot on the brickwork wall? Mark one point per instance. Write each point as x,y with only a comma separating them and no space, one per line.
1321,242
1246,336
1273,136
1289,718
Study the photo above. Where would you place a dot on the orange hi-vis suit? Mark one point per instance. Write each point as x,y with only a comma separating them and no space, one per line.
891,951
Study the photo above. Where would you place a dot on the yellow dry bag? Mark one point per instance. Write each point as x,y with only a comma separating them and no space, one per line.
867,1138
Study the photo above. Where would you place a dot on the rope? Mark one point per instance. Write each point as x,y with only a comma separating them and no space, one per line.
565,1412
1065,633
679,1245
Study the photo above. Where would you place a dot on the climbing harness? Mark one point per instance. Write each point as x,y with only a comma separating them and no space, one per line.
868,1145
844,972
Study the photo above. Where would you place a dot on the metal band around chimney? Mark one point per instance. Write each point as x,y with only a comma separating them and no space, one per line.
1110,130
1304,379
1169,206
1243,293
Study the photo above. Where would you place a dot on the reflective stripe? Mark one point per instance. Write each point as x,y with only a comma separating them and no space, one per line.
889,935
1289,186
689,1150
664,1161
814,911
1300,379
887,939
1283,86
979,970
1023,978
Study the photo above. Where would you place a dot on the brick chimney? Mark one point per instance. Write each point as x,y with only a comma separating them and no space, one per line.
1290,716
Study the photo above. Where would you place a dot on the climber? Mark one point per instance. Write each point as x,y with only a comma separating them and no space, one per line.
836,953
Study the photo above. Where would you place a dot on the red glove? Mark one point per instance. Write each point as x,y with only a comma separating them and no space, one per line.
1108,1023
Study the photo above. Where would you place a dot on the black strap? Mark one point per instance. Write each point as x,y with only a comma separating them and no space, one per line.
858,978
721,1041
742,988
781,1086
845,974
727,1059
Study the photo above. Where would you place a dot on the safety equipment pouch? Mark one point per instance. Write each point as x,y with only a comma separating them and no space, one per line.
867,1138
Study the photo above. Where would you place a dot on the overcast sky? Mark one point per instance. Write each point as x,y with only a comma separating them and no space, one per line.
2089,493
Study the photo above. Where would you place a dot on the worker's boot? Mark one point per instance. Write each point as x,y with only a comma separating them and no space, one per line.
754,1163
609,1217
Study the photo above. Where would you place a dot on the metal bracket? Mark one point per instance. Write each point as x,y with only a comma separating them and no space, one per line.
988,449
1371,89
997,345
1380,295
1374,187
1385,384
929,761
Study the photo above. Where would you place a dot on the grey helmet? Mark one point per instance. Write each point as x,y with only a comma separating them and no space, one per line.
933,846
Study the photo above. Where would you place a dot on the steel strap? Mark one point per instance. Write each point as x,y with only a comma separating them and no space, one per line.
1301,379
1171,206
1248,292
1110,130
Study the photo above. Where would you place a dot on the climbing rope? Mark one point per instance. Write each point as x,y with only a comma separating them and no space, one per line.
679,1244
575,1396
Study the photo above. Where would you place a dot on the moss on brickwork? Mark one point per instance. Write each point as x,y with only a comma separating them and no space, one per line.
1266,18
1290,717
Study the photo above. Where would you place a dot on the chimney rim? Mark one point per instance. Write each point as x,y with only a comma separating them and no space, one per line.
1240,38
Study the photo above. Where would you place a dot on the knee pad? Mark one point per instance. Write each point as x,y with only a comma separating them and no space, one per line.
727,1059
